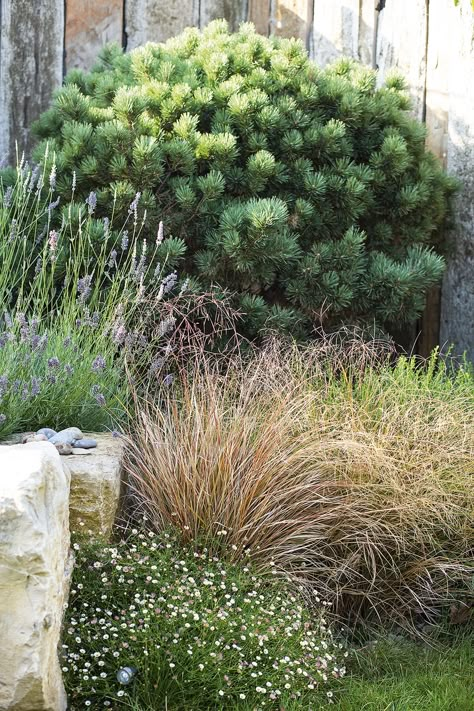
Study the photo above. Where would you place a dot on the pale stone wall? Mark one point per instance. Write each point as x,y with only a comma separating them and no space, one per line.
34,568
95,486
40,493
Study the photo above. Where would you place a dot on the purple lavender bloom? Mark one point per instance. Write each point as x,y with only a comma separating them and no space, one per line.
16,385
100,399
35,386
106,223
112,259
35,342
168,379
25,393
8,320
95,389
21,319
7,198
91,202
84,287
53,205
67,342
3,385
156,365
98,364
68,369
53,363
124,245
169,282
2,418
116,434
134,204
119,332
52,379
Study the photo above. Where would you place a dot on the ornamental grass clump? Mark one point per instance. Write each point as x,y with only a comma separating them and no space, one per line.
306,191
199,632
348,472
75,305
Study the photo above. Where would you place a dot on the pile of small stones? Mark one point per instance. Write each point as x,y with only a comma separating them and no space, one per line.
68,441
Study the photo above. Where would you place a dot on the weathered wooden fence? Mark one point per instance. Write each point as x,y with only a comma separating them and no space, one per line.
430,41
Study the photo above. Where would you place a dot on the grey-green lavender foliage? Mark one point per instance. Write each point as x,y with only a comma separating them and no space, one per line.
72,307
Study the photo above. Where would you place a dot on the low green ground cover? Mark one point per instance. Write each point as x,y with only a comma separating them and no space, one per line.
202,633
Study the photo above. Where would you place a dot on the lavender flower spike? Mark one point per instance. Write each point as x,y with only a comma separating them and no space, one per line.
91,202
98,364
160,235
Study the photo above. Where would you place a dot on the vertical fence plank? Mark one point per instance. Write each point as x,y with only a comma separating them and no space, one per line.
335,30
234,11
31,61
291,18
259,14
89,26
401,45
157,21
436,118
457,307
366,39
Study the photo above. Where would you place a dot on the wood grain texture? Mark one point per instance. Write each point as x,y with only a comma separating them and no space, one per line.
259,14
157,20
31,67
401,45
90,24
367,24
335,30
234,11
291,18
457,308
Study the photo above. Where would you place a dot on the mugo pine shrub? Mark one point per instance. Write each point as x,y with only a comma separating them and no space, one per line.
308,192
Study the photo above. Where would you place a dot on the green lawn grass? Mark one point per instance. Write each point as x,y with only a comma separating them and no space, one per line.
410,676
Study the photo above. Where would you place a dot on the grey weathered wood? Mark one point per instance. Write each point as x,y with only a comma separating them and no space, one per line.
259,14
291,18
157,21
457,307
335,30
367,31
31,67
234,11
90,24
436,118
401,45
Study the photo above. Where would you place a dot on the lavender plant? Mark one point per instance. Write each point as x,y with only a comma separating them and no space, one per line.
73,291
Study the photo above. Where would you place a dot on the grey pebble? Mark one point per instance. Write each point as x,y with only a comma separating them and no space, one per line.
47,432
85,443
67,436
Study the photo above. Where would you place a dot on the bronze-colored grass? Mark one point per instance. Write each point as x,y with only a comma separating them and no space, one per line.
354,477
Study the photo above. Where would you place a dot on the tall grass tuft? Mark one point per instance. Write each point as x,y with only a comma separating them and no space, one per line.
343,469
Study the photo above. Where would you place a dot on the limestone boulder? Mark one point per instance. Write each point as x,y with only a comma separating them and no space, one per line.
34,575
95,485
